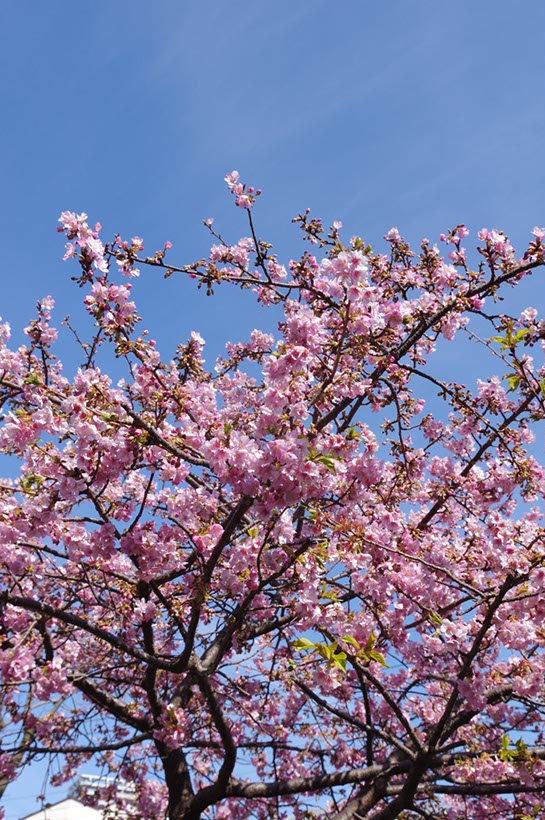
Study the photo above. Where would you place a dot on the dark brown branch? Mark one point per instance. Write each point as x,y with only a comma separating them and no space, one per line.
92,747
215,792
230,526
358,724
111,705
28,604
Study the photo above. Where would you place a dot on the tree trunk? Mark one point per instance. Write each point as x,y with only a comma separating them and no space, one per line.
178,781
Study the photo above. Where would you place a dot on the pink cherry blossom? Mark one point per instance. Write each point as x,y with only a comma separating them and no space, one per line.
306,578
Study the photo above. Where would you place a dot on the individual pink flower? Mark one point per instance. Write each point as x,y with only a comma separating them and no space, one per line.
232,179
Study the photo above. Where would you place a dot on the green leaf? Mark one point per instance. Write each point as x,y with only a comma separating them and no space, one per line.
31,482
520,334
506,754
373,655
327,461
513,381
352,641
331,595
521,748
303,643
333,655
327,651
339,660
369,654
510,340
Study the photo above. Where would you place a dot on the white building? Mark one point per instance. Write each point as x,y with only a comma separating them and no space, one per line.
86,786
68,809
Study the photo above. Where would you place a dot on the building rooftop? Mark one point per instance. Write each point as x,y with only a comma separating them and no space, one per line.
68,809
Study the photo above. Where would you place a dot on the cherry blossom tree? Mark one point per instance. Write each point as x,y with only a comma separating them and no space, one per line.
308,582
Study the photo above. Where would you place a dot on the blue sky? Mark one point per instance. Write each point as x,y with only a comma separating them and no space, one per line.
417,114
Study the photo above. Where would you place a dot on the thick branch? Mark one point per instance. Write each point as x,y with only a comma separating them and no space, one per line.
212,794
112,705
